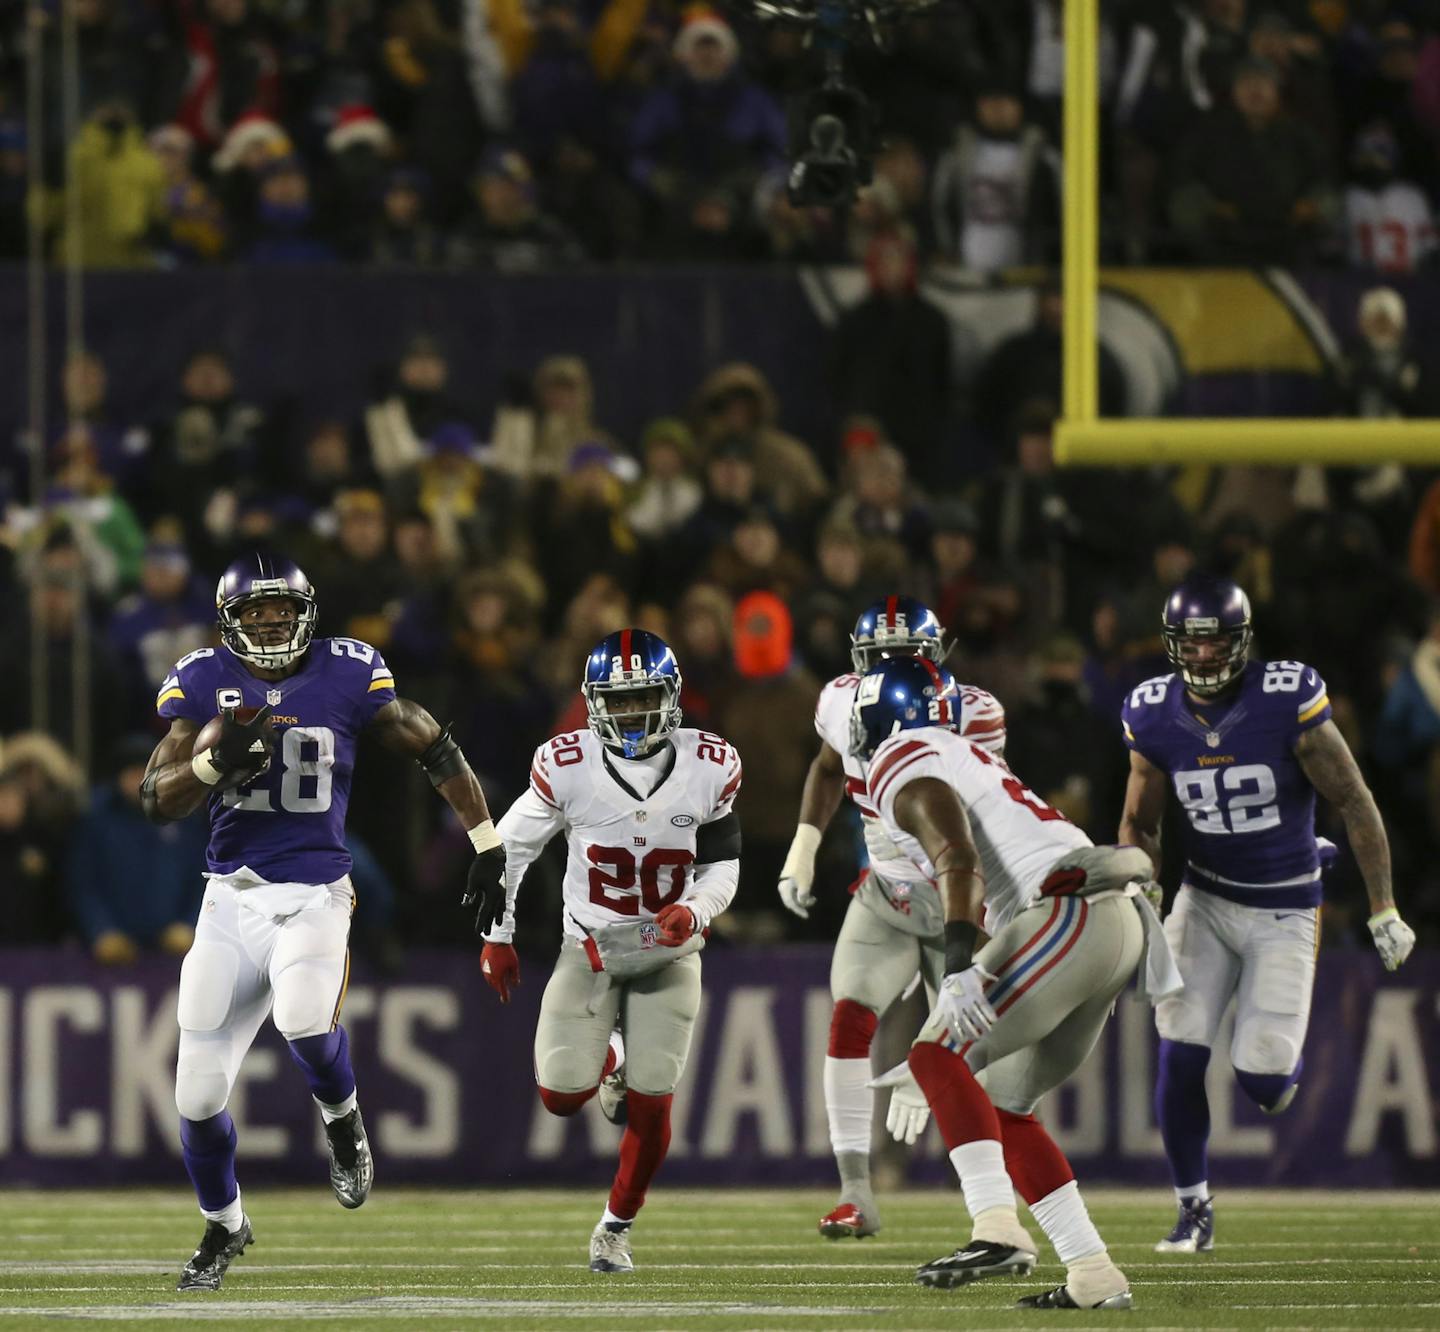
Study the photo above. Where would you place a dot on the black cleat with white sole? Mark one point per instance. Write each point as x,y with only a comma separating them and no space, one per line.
352,1168
1060,1298
218,1249
976,1261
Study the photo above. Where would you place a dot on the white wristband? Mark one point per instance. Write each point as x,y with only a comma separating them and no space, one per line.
483,837
800,862
203,766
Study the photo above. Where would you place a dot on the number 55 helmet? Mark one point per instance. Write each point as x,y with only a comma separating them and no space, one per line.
896,627
1206,630
901,694
260,577
628,663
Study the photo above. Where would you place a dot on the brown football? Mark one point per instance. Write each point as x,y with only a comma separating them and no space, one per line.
209,734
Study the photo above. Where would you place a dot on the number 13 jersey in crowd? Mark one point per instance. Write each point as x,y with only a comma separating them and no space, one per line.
1249,825
288,826
630,824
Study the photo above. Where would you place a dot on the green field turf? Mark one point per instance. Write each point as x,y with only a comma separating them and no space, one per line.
706,1260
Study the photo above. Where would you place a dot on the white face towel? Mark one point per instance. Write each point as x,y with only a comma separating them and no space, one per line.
1159,976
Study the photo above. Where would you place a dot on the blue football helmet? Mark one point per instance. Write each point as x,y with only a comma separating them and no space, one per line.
896,627
252,578
1207,609
901,694
631,661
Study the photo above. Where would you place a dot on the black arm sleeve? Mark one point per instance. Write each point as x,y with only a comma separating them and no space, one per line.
718,841
442,760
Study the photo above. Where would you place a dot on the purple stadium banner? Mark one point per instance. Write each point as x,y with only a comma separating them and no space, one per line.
87,1055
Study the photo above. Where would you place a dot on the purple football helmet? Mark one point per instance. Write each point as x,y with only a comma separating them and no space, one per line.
1206,631
255,577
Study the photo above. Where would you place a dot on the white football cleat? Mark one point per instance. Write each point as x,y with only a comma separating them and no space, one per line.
610,1250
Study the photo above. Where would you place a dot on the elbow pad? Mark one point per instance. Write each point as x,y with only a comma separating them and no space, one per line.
718,841
443,759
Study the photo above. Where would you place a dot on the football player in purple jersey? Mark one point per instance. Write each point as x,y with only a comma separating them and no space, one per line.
1245,745
274,928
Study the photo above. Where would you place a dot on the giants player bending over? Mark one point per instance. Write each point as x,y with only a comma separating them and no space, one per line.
1068,925
1247,745
893,925
276,921
654,857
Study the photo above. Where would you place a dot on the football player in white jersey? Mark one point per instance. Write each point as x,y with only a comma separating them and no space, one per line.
1067,925
892,927
654,856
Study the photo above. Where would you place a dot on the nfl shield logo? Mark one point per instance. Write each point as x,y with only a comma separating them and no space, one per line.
648,936
1212,738
272,697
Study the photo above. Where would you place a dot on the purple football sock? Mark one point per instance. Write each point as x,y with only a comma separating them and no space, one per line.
325,1061
1183,1110
1267,1088
208,1146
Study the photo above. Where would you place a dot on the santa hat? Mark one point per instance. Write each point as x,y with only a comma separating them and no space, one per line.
700,23
356,123
175,137
253,128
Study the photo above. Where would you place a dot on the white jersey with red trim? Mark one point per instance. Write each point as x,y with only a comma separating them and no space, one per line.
1018,835
630,825
982,719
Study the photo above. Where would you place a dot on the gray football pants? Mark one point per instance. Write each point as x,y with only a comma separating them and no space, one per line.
1058,968
656,1015
873,961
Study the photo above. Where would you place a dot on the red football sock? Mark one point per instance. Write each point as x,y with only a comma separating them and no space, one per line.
1035,1164
642,1148
959,1104
565,1103
852,1028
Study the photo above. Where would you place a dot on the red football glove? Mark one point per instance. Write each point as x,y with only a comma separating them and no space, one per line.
501,969
674,923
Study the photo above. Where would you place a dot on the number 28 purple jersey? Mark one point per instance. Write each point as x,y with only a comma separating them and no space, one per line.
289,825
1249,808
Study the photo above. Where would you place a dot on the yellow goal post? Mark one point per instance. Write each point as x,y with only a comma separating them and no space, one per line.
1082,436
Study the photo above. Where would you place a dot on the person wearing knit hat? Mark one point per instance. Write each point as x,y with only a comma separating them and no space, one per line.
705,45
669,491
356,123
251,142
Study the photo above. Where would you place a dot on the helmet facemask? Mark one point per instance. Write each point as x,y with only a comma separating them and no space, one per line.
249,642
1217,673
634,733
885,643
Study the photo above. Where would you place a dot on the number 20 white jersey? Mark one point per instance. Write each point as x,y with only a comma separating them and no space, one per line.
629,855
1018,835
982,720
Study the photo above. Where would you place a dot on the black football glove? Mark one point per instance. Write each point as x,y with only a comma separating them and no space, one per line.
244,747
485,889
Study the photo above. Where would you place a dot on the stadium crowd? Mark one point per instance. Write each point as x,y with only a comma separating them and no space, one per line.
484,553
514,136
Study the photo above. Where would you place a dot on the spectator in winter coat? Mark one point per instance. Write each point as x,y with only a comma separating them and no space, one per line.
508,232
119,187
996,192
132,884
699,146
173,613
737,399
668,492
1389,224
890,358
192,221
402,236
1252,184
286,230
415,404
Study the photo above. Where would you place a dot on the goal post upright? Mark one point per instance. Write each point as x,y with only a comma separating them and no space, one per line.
1082,436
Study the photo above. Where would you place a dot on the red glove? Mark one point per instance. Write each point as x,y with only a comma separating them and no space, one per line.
501,969
675,924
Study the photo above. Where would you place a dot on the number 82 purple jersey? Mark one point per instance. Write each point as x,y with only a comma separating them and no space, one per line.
1249,809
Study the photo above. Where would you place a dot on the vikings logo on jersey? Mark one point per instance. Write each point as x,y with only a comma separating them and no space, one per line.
1249,809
